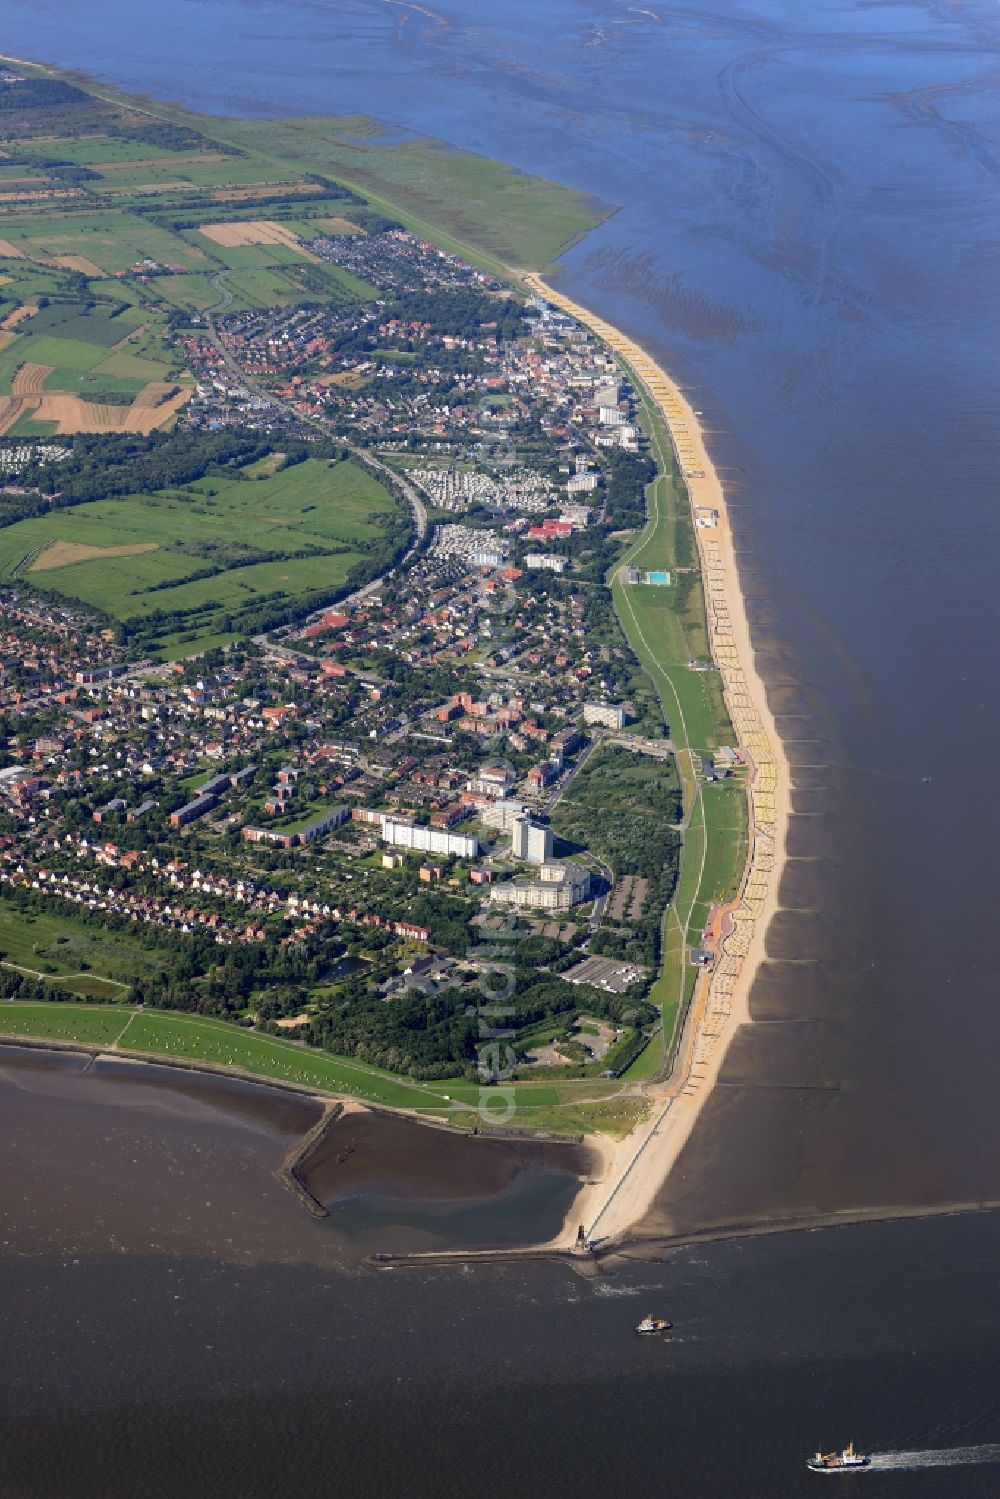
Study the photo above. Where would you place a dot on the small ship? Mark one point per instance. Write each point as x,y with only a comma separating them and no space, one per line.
847,1461
650,1327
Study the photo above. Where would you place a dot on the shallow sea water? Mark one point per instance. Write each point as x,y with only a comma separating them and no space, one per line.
807,238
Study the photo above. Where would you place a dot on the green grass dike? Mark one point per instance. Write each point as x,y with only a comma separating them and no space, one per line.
218,1045
667,629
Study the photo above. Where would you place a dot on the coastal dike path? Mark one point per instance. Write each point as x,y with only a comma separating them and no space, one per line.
641,1163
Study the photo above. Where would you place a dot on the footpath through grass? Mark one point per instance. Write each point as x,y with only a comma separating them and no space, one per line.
54,945
221,1044
667,628
215,1043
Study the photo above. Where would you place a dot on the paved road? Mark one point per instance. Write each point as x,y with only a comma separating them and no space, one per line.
395,480
571,775
218,283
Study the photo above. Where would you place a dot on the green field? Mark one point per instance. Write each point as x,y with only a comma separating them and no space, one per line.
230,525
217,1043
666,628
91,1024
467,203
57,945
101,323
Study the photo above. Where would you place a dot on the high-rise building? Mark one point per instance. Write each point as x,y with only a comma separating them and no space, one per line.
531,841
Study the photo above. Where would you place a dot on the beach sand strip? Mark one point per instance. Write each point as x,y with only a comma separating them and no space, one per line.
637,1167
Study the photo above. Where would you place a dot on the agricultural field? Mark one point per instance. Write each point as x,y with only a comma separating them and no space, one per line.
83,364
170,563
480,208
132,184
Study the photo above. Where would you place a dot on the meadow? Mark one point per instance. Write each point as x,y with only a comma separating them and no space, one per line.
666,628
483,209
220,1044
142,554
53,944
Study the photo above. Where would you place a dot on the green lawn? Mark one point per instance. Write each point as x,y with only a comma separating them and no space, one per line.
46,940
666,628
325,508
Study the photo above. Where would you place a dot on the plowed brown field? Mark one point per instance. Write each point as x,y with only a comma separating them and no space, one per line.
65,553
10,410
257,232
265,190
18,315
29,379
76,263
147,412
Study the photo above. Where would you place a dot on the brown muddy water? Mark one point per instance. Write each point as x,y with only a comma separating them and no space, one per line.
807,237
176,1326
159,1161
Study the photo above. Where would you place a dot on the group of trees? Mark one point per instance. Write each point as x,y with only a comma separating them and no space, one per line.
39,93
462,311
624,809
99,467
627,477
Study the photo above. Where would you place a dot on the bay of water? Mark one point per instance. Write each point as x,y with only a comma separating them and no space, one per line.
175,1324
808,237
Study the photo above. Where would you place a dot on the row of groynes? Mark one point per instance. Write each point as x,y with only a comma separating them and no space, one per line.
751,735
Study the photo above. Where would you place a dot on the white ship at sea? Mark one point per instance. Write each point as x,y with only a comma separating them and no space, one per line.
845,1461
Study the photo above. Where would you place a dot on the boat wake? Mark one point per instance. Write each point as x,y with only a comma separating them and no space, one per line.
941,1457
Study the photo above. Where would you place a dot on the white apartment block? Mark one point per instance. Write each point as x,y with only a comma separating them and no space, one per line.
611,715
552,562
531,841
403,834
557,888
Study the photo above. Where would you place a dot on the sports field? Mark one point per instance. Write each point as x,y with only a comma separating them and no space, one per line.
201,556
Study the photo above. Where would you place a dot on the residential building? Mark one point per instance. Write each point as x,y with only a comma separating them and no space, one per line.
194,809
611,715
558,887
503,814
554,562
403,834
531,841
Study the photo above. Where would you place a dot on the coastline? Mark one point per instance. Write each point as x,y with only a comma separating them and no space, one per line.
637,1167
633,1170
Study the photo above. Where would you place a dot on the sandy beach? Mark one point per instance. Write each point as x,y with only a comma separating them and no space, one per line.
635,1168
